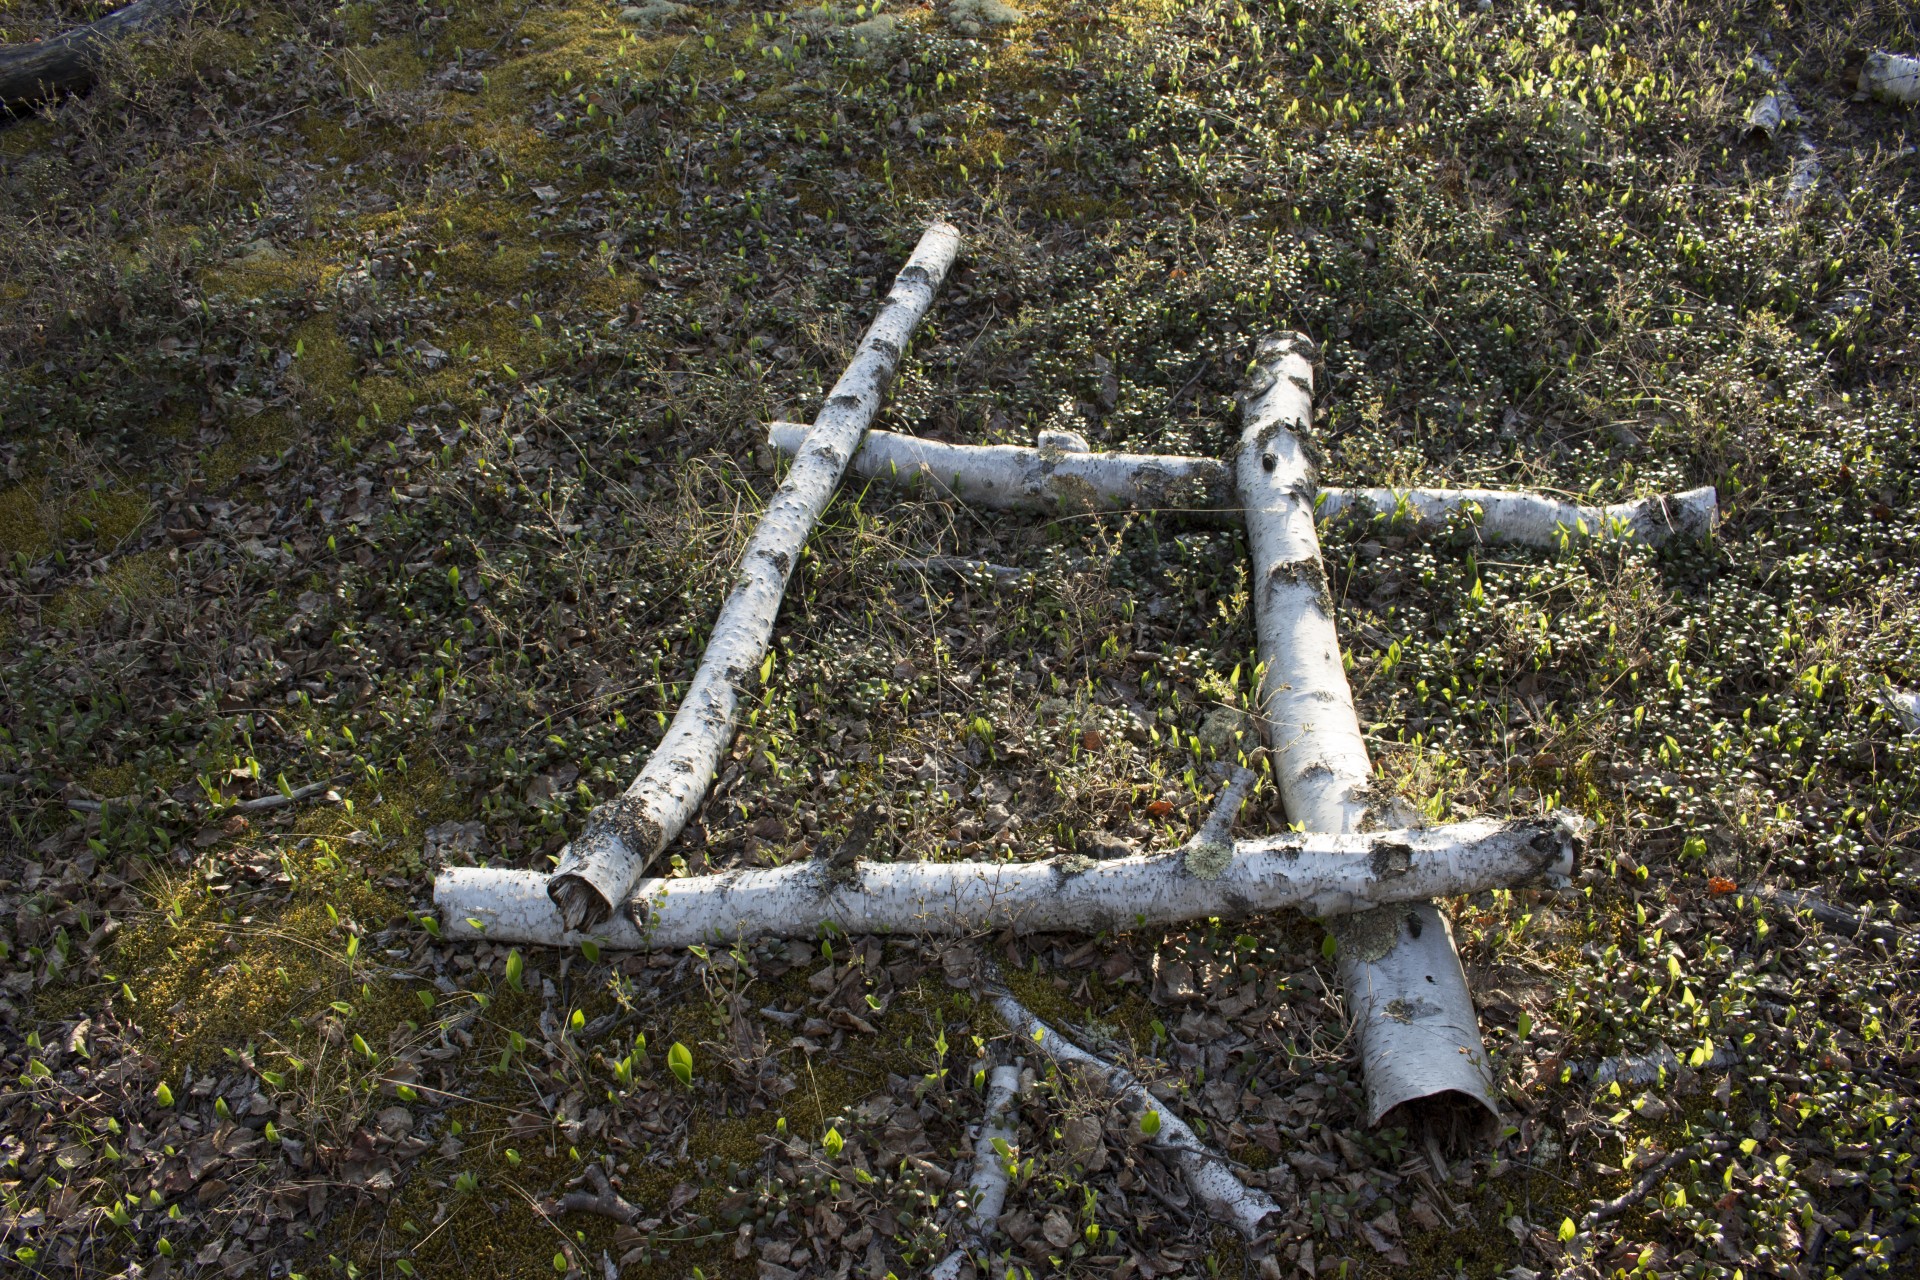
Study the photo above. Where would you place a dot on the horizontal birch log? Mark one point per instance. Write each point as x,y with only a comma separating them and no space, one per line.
1317,874
1053,479
989,1180
1406,992
1208,1174
68,62
599,868
1054,482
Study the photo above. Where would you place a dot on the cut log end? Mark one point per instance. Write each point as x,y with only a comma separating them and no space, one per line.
580,904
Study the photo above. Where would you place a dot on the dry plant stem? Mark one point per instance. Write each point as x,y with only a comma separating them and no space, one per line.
66,63
1011,478
1320,874
1406,993
989,1180
1602,1210
598,870
1227,1198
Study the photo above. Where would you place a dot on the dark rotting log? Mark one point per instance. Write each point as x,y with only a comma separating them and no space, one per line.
68,63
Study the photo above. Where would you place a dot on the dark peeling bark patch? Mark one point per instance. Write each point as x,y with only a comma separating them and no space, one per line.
1316,769
1390,858
624,818
913,275
1309,573
844,401
891,350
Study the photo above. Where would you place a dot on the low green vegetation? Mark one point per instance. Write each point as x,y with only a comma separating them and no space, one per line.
382,409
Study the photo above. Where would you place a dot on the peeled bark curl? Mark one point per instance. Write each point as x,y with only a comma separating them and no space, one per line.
598,870
69,62
1319,874
1055,481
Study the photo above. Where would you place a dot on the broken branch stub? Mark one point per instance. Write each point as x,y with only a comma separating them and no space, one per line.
1419,1036
599,868
1054,481
1321,874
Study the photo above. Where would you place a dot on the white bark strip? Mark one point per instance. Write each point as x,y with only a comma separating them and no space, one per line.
1419,1036
599,868
989,1181
1318,874
1010,478
1227,1198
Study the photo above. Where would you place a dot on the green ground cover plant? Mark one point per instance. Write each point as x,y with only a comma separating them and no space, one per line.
382,412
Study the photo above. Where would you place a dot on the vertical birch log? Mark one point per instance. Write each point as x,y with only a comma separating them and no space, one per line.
600,867
1407,995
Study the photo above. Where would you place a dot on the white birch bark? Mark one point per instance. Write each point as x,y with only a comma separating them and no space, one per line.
1054,479
1321,874
599,868
1011,478
1891,77
989,1180
1534,519
1212,1179
1419,1036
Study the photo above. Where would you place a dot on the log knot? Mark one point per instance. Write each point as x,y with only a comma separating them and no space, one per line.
1309,573
1390,859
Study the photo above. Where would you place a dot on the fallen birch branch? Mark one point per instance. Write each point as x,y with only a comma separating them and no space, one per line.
1406,992
989,1181
68,62
1829,916
1052,481
1320,874
599,868
1227,1198
603,1201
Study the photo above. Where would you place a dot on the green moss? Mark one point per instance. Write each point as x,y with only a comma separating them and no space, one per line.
23,527
130,581
251,439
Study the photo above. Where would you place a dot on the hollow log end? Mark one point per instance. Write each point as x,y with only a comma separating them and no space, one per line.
581,906
1457,1119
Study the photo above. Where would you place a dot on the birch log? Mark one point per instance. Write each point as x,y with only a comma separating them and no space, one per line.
989,1180
1322,874
1407,995
1054,482
68,62
1053,479
1227,1198
599,868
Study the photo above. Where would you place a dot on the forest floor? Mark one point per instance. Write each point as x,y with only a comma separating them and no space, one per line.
383,407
